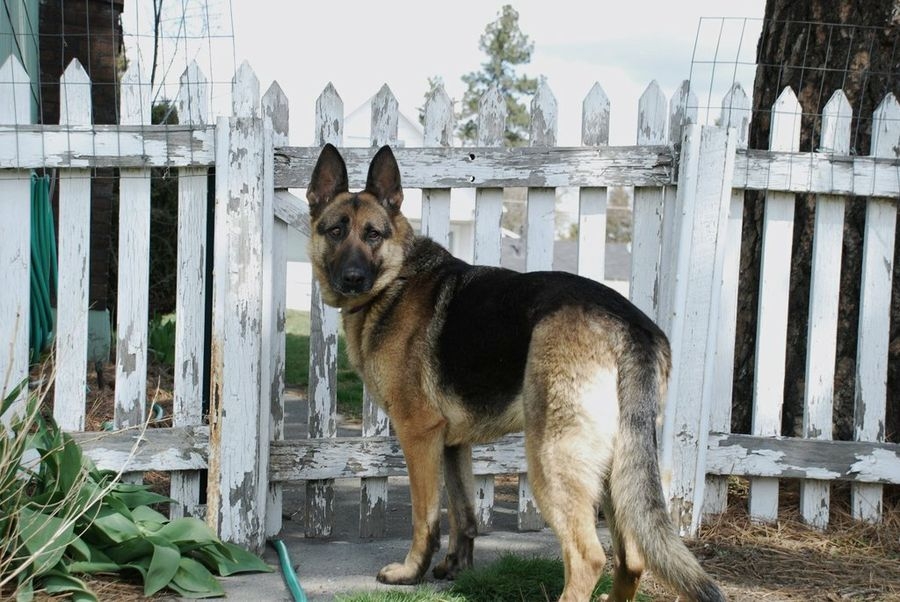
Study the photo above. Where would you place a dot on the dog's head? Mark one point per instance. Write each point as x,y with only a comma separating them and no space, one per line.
358,239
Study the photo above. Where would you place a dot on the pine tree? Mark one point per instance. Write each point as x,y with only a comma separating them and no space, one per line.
506,48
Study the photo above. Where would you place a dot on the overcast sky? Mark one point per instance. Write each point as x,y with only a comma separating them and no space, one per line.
360,45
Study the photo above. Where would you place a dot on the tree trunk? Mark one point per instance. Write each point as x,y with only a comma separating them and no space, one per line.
818,47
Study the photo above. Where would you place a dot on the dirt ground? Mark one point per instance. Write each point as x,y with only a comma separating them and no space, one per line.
784,561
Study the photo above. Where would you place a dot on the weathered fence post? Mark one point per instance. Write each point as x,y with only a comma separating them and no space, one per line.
774,284
15,244
323,341
489,201
648,207
735,114
74,261
276,120
592,201
436,201
682,111
190,302
704,195
237,485
134,265
875,309
824,294
374,490
539,234
488,246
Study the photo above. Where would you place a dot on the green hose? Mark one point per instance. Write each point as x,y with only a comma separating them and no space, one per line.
43,267
287,571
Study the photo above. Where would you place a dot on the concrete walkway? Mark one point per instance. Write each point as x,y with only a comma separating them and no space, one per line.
344,562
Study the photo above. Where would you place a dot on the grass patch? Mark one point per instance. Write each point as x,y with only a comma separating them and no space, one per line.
421,594
510,579
349,386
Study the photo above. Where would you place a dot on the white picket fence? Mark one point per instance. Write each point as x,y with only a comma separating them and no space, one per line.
685,273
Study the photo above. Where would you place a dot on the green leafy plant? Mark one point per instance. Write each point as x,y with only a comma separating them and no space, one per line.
61,517
161,339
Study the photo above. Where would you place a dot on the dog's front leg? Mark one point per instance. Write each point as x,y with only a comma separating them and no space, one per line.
460,498
422,445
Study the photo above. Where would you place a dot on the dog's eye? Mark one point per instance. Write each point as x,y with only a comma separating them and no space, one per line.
373,235
336,233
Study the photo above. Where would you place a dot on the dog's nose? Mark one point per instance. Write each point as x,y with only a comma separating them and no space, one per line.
353,278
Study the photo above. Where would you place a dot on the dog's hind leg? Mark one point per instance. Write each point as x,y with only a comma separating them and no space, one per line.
571,416
461,511
568,502
629,562
422,440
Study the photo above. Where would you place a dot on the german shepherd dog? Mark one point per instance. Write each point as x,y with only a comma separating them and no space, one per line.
460,354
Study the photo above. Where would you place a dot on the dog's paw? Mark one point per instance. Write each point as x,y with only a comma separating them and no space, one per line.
399,574
451,566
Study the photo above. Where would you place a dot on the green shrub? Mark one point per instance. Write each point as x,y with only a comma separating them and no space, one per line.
161,339
61,517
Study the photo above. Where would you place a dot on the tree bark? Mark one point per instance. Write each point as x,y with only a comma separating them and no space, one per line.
818,47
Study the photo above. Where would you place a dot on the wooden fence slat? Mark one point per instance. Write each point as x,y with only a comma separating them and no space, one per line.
134,266
273,297
323,342
436,201
15,244
648,207
793,457
824,287
592,201
492,113
704,196
74,262
540,221
774,284
735,114
276,113
190,302
374,492
236,496
539,234
875,309
488,244
682,111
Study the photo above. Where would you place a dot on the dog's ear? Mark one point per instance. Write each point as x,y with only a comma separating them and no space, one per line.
383,180
329,179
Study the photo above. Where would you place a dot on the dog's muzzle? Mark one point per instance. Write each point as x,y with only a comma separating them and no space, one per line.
355,281
352,276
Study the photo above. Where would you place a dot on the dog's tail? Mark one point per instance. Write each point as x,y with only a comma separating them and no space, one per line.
636,492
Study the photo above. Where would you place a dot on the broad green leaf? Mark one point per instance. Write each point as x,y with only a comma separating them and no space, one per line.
141,566
45,537
148,520
80,550
11,397
25,590
90,567
137,495
163,566
70,468
228,559
116,505
130,551
193,580
60,583
114,527
188,530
